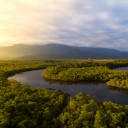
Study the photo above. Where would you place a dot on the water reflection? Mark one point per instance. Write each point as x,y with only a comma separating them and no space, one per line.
124,91
87,83
122,68
95,89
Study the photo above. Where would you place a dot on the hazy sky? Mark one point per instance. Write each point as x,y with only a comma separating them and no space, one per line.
97,23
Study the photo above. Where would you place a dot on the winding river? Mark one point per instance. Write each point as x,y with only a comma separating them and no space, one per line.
100,91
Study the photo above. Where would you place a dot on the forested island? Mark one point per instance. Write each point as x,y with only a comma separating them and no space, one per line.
22,106
91,71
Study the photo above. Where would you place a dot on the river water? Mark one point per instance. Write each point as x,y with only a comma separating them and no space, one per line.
100,91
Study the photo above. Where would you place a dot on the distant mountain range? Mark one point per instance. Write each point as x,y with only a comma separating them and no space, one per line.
58,51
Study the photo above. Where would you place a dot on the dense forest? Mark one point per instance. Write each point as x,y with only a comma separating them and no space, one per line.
91,71
22,106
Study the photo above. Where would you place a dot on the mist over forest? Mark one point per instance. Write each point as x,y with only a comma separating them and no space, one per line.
58,51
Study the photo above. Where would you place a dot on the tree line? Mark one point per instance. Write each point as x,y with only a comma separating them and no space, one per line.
90,71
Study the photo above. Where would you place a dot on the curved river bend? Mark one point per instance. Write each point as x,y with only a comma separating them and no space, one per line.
98,90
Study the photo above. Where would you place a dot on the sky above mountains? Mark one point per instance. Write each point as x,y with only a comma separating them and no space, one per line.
93,23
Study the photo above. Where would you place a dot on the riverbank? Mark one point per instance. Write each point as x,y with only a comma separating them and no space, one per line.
93,71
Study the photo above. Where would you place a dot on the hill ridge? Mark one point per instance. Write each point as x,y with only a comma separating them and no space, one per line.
59,51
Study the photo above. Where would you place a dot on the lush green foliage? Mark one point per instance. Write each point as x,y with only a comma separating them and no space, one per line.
26,107
120,83
85,73
84,112
81,71
22,106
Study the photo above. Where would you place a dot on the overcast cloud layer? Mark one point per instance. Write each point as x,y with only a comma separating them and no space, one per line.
95,23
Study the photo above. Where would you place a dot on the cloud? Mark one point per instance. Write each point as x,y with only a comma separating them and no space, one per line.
98,23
